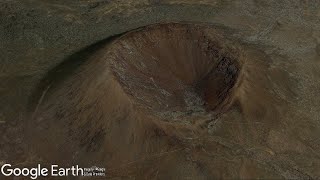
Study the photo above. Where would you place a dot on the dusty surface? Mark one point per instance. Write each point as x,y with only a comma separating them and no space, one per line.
82,111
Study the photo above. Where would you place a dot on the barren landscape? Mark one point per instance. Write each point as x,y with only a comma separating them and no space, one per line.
171,89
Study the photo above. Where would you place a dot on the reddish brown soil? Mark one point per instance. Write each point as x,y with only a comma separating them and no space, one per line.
168,101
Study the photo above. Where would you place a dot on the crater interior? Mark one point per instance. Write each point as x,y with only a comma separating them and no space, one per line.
175,68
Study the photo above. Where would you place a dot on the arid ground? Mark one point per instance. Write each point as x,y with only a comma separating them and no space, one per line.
162,89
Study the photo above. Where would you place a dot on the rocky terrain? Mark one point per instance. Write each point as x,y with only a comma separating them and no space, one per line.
171,89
